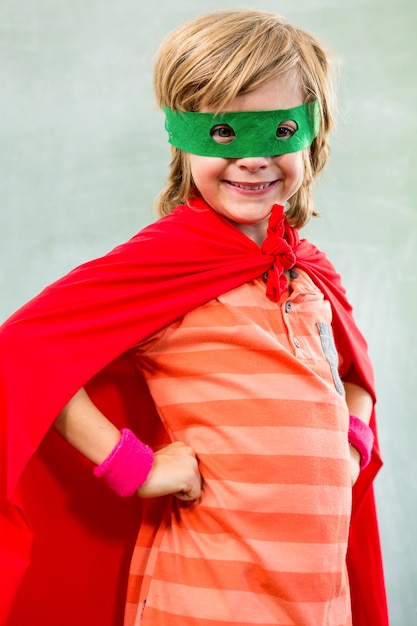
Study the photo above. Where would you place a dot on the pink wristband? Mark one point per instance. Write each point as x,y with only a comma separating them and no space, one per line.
127,466
361,437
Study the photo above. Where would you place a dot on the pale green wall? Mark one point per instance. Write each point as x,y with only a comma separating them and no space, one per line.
83,153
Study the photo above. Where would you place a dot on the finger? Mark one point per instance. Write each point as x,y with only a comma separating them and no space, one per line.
190,451
194,492
181,495
177,448
188,496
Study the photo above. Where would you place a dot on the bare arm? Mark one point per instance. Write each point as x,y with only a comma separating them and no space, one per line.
175,467
86,428
359,403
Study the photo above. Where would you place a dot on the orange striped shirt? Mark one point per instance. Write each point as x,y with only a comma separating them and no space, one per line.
253,387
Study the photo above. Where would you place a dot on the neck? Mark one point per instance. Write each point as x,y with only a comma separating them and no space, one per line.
256,232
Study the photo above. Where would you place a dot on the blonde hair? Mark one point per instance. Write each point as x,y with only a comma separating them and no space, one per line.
220,55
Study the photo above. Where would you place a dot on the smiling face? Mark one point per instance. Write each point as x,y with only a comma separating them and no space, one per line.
245,189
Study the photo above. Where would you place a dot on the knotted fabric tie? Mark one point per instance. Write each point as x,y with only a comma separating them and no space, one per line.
280,240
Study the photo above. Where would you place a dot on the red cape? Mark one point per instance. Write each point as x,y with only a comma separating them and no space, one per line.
77,332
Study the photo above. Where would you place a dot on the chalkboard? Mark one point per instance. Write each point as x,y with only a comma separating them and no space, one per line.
83,153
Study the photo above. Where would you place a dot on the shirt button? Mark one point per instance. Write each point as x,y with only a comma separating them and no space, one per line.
288,307
296,342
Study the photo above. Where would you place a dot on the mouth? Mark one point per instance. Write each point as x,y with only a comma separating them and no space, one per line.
251,186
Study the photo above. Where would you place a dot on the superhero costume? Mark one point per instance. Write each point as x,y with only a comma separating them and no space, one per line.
77,332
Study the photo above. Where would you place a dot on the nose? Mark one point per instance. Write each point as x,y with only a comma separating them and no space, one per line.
253,164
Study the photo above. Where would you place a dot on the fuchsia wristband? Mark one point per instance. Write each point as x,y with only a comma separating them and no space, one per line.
361,437
127,466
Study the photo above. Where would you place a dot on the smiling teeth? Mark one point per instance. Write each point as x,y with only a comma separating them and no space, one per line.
251,187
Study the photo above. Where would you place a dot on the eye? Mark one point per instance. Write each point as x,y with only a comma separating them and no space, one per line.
287,129
222,133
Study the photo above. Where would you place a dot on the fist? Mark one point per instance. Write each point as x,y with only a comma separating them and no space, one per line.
174,471
355,459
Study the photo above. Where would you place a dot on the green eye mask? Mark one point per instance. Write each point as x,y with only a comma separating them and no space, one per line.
244,133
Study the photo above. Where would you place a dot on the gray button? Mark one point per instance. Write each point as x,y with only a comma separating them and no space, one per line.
288,307
296,342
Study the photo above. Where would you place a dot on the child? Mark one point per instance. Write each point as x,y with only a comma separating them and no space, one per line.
210,335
